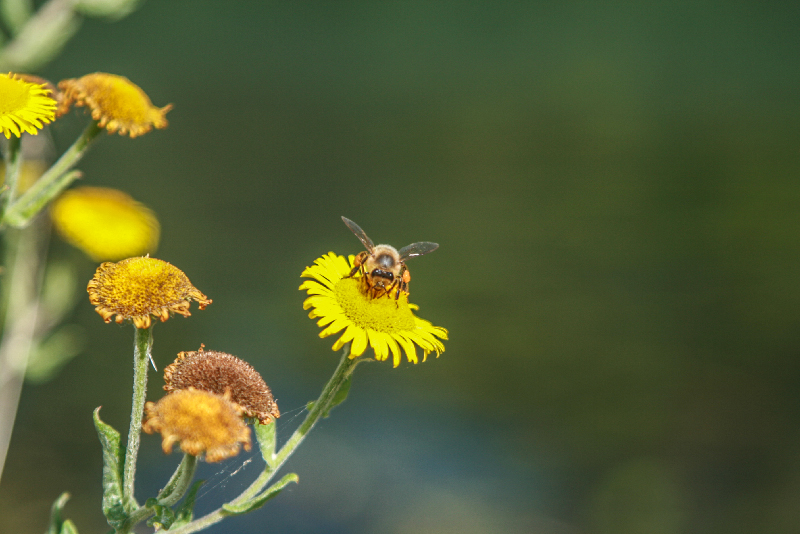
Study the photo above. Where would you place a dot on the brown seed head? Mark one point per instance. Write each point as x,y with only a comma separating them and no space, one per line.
218,372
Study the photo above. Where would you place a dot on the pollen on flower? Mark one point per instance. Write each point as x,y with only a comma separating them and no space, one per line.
387,325
200,421
115,102
107,224
138,288
219,372
24,106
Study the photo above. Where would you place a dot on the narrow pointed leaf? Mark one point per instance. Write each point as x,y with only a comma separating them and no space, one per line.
68,528
55,514
258,502
112,473
185,513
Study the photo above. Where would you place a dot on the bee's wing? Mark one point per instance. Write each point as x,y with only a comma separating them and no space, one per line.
356,229
417,249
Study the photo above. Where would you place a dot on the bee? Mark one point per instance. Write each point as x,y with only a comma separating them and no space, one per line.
383,266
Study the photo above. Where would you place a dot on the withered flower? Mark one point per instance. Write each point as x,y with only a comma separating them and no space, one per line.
218,372
115,102
202,422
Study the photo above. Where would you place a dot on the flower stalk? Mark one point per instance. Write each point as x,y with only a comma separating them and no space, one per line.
51,183
175,489
180,481
13,167
142,347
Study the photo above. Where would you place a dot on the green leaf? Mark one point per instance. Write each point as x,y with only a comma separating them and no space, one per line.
68,528
185,513
339,398
258,501
113,507
55,514
265,435
163,519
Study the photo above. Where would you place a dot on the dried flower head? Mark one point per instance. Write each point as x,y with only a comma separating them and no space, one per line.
385,324
138,288
107,224
218,372
24,106
202,422
116,103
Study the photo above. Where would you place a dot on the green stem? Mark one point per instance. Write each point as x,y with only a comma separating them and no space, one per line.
180,481
13,166
170,495
320,407
142,346
52,182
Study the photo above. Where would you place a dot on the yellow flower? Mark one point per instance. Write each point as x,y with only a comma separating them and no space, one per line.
115,102
200,421
106,224
385,324
137,288
218,372
24,107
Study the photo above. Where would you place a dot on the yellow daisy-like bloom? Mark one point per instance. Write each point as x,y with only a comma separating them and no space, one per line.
24,106
138,288
385,324
106,224
116,103
202,422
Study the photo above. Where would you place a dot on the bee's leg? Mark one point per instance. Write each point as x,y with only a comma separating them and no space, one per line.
358,263
388,290
402,280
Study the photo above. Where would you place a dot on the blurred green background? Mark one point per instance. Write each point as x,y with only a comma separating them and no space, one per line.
615,190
